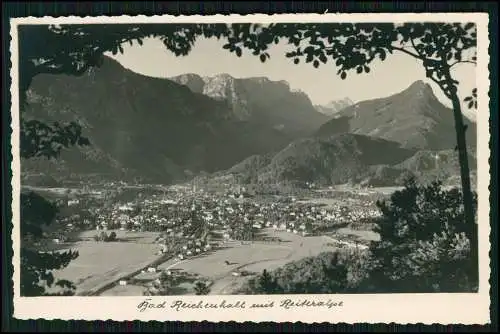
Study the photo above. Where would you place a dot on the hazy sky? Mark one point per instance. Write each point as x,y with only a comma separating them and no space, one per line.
322,85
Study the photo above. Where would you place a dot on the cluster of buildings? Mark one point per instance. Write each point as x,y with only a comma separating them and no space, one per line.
233,216
196,218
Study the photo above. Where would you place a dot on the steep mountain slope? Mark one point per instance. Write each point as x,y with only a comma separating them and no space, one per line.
260,101
143,126
414,117
333,107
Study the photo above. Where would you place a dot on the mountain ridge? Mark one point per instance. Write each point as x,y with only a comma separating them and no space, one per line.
152,127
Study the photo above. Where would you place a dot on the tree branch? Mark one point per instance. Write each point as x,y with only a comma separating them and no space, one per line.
463,61
414,46
407,52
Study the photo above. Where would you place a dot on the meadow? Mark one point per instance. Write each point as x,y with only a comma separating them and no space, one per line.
220,266
102,263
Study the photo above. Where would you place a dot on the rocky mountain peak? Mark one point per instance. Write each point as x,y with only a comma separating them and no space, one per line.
262,100
420,89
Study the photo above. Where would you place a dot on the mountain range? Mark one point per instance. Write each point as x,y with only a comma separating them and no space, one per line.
166,130
162,131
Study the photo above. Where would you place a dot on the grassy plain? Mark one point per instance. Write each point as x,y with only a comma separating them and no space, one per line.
100,263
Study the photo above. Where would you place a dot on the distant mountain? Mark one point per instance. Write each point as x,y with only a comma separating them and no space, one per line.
144,127
323,160
414,118
333,107
348,158
260,101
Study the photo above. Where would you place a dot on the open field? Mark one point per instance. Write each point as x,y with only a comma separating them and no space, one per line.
251,257
100,263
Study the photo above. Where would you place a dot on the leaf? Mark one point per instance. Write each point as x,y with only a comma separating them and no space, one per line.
262,57
359,69
316,63
382,55
469,25
429,50
322,57
296,61
139,41
343,75
468,98
238,52
367,69
226,46
471,103
309,50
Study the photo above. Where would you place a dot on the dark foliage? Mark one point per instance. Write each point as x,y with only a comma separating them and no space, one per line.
425,242
329,272
103,236
36,266
201,288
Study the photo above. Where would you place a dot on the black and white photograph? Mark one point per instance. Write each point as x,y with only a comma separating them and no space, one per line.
272,158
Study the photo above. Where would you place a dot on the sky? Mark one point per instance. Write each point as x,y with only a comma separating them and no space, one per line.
322,85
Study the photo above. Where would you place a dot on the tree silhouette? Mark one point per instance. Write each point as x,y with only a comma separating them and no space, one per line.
424,242
36,266
268,284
